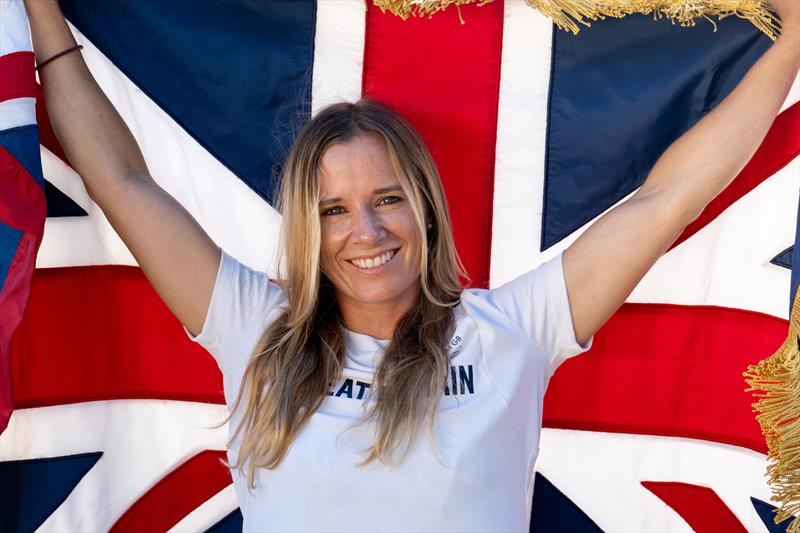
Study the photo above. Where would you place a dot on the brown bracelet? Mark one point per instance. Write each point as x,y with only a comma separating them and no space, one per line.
61,53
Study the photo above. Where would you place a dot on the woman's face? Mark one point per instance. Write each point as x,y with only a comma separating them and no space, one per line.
370,247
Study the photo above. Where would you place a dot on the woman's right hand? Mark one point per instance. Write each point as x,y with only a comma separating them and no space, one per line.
174,252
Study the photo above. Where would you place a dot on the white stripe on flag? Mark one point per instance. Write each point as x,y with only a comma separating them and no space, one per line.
17,112
14,34
15,37
520,154
209,513
338,52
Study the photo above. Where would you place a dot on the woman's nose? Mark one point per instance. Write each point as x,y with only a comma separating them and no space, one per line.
367,226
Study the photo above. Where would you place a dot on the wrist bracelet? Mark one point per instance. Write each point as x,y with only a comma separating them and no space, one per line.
61,53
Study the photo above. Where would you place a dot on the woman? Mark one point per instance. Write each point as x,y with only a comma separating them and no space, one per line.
367,390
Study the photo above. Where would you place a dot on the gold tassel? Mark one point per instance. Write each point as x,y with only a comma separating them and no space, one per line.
567,14
776,381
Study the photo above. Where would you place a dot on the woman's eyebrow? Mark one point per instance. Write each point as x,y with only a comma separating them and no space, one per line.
384,190
329,201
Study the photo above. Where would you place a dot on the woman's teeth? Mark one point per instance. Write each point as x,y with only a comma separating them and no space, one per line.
373,262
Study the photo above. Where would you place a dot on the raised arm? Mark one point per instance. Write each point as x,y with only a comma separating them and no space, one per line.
174,252
604,265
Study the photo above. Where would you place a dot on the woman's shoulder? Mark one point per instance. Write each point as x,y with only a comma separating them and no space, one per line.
250,283
244,300
534,296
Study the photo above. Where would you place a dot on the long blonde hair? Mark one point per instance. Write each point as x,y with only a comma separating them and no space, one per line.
301,353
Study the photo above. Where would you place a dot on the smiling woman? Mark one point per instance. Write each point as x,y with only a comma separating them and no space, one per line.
358,190
370,338
332,374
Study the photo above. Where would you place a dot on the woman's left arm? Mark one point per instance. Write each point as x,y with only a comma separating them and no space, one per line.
604,265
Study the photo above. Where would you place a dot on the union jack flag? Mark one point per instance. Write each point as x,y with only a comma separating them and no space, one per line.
536,132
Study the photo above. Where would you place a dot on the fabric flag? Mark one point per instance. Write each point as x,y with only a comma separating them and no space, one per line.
22,193
536,132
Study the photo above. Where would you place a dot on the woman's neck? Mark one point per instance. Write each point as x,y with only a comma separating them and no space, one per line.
376,320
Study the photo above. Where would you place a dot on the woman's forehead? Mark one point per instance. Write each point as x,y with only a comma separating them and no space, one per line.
360,164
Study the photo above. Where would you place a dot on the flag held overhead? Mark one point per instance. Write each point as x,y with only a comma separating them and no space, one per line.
102,367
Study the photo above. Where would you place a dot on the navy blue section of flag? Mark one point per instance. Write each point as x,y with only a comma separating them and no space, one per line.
554,512
618,79
230,524
23,144
784,259
235,74
767,513
9,241
59,204
795,262
31,490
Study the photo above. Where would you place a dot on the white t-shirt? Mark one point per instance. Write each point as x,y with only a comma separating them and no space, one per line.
478,477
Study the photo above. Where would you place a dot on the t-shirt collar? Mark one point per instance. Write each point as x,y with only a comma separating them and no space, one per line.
362,349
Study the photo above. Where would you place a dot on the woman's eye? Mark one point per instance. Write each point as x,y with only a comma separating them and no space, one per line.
333,211
388,200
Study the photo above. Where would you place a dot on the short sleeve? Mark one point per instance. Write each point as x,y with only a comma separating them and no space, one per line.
241,301
538,303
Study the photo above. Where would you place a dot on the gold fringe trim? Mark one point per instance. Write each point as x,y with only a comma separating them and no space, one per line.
567,14
776,382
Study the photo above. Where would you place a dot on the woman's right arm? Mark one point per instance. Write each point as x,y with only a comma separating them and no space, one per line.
174,252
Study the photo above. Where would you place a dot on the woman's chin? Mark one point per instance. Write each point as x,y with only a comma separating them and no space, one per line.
390,297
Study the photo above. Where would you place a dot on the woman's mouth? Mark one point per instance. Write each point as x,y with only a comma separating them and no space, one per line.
368,263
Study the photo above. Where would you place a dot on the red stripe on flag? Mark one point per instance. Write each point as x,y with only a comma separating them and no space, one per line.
22,200
99,333
177,494
18,79
446,81
779,148
701,507
13,300
16,287
659,369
